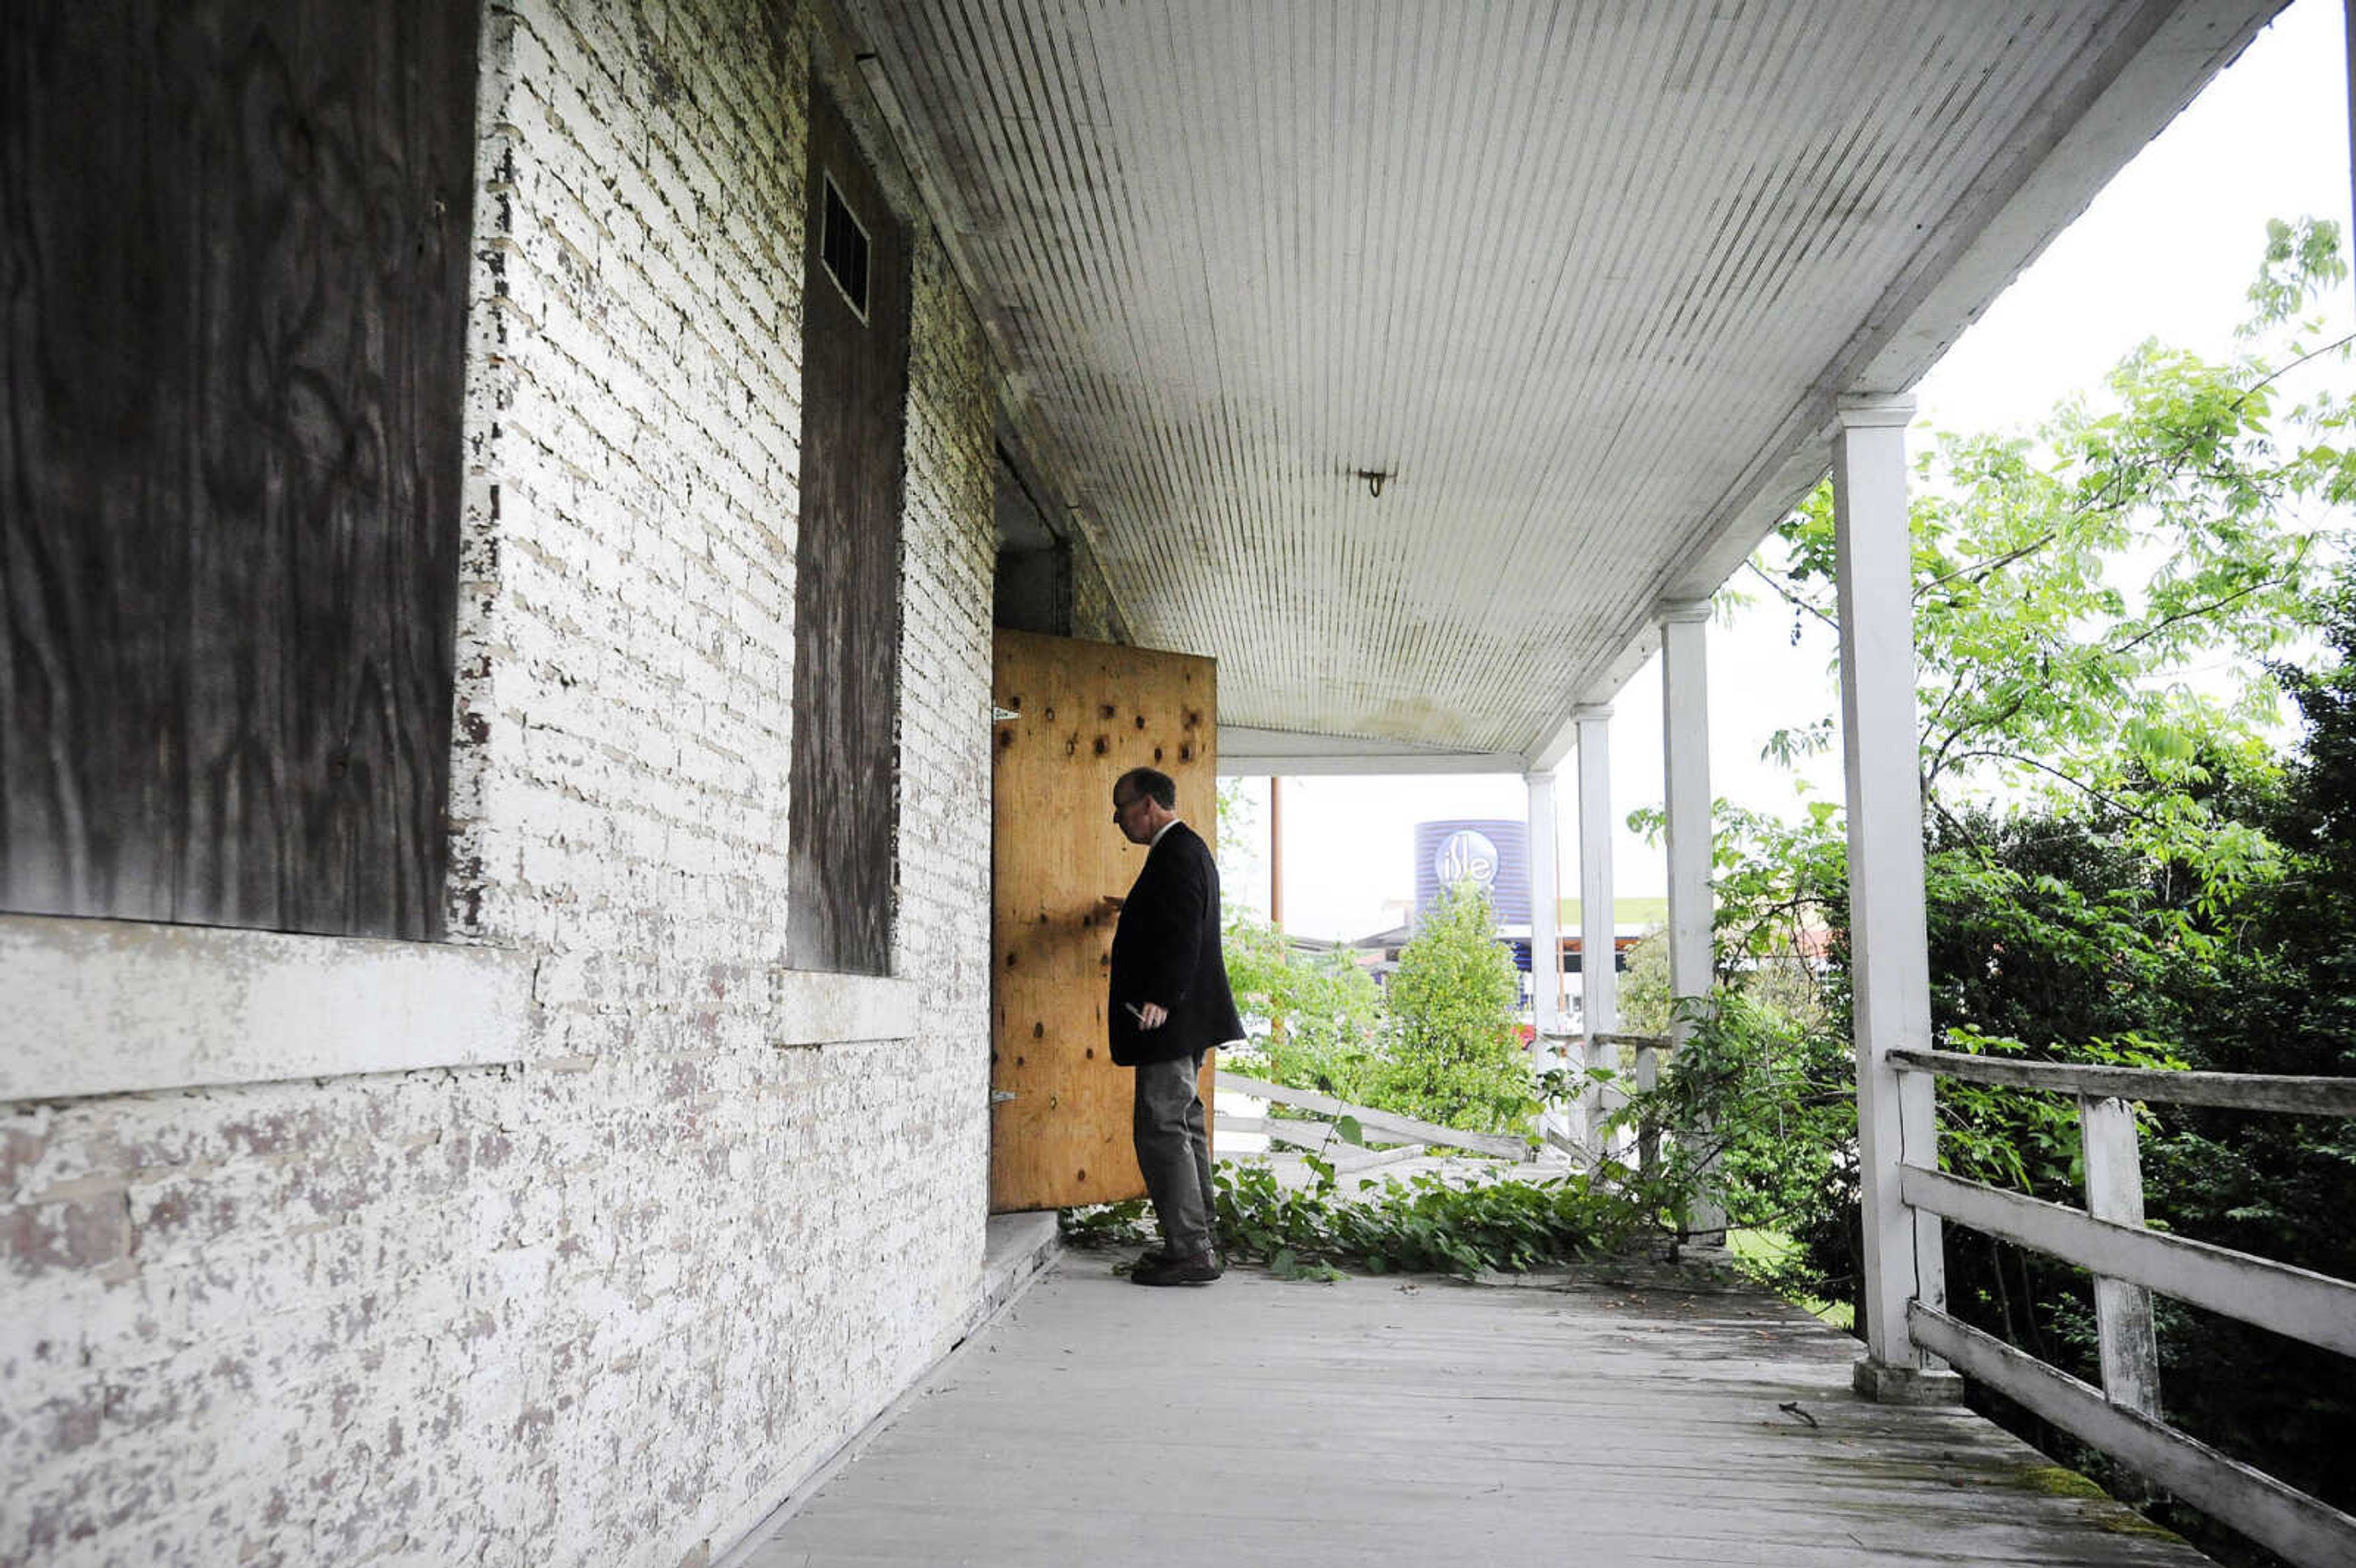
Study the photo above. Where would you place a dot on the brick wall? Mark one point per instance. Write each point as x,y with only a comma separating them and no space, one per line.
605,1304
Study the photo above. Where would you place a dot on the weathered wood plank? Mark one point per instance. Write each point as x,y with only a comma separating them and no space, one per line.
2305,1096
1299,1134
2130,1348
1406,1128
2306,1306
1378,1421
2280,1518
1635,1041
1317,1137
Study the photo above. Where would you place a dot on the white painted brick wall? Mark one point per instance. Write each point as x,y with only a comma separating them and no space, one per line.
604,1305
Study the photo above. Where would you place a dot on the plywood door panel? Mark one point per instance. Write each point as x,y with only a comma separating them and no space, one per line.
1084,713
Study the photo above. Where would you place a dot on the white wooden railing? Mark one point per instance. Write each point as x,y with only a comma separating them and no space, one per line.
1599,1100
2107,1239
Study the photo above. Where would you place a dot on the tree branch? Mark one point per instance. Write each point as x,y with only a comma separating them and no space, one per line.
1940,760
2089,791
1996,564
1788,596
2157,627
2259,385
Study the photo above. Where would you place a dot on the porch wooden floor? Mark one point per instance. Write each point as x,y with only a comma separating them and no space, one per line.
1607,1420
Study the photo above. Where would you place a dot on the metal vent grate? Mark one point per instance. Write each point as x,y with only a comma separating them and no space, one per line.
843,248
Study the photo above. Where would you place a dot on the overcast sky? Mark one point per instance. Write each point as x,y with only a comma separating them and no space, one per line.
2165,251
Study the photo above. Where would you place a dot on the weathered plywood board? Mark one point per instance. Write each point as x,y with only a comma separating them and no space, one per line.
1085,714
847,570
234,361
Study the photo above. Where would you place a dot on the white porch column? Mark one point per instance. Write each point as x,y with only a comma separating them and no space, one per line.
1684,738
1546,944
1546,907
1889,955
1598,996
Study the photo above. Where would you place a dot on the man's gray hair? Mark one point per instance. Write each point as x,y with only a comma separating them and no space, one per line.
1150,782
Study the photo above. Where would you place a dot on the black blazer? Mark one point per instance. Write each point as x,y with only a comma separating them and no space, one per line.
1166,950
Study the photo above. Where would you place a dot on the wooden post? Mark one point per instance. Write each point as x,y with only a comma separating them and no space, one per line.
1545,912
1896,1114
1275,852
1546,943
1648,1137
1684,734
1276,1025
1599,1004
2122,1311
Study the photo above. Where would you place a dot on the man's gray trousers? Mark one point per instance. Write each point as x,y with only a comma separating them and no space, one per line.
1173,1150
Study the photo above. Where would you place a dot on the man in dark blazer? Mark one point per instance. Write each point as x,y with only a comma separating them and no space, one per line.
1170,1004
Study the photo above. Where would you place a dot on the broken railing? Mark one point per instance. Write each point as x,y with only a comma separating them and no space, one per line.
2108,1238
1326,1110
1601,1094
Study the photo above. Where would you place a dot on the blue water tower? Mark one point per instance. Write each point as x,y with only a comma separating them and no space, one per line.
1494,855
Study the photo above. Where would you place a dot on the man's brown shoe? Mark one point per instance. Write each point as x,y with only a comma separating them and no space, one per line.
1200,1269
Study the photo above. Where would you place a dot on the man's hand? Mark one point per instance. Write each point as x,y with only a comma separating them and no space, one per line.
1152,1015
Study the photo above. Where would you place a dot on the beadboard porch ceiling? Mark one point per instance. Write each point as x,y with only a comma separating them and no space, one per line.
1584,279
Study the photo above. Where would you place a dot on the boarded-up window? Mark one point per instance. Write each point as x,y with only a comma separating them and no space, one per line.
847,563
236,237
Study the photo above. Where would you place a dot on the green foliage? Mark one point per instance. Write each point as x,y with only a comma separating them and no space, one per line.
1442,1045
1422,1225
1319,1018
1128,1223
1641,996
1455,1053
1762,1102
2066,583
